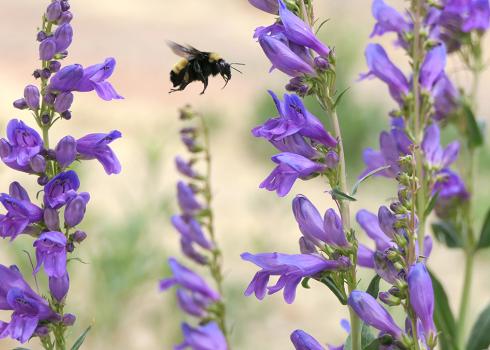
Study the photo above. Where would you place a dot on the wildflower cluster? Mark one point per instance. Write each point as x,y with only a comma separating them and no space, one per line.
197,239
53,223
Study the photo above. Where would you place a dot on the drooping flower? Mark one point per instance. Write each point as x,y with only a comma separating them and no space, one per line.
60,189
372,313
187,279
75,209
291,268
28,307
205,337
59,286
76,78
194,304
381,67
433,66
290,167
370,224
66,151
51,252
22,145
185,168
96,146
303,341
446,98
190,229
436,156
187,199
270,6
388,19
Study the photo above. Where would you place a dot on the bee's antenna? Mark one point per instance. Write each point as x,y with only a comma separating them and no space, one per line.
238,64
236,69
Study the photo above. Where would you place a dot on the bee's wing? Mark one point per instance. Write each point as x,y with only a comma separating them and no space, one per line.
188,52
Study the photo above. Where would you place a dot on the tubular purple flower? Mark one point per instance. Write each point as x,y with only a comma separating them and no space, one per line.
283,58
206,337
29,309
387,221
291,268
303,341
53,12
31,96
446,98
184,167
422,298
190,229
63,37
38,164
299,32
96,146
309,219
59,286
449,186
433,66
192,303
334,230
385,268
370,224
63,102
290,167
66,151
51,219
75,209
47,49
372,313
189,280
60,189
18,192
23,144
388,19
51,251
270,6
187,199
365,256
187,247
434,154
478,17
20,213
381,67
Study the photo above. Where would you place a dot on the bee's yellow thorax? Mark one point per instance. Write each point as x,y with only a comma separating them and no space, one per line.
180,65
213,57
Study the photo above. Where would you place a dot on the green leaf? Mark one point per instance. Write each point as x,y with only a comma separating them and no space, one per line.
473,130
339,98
373,287
480,334
443,317
339,195
367,336
81,339
484,241
431,204
373,345
446,233
367,176
340,294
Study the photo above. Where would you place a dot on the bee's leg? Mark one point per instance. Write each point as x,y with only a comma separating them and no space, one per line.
205,82
180,88
226,82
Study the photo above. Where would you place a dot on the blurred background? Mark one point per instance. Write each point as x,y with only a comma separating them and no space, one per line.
114,285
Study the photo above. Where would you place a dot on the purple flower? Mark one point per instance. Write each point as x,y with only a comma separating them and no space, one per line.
303,341
59,286
385,268
291,268
187,247
283,58
187,199
63,102
422,298
193,303
432,66
436,156
478,17
28,308
20,212
388,19
381,67
22,145
309,220
47,49
190,229
31,96
332,224
446,97
290,167
75,209
206,337
60,189
96,146
270,6
51,251
297,31
187,279
75,78
387,221
450,190
53,12
372,313
63,36
66,151
365,256
370,224
294,119
185,168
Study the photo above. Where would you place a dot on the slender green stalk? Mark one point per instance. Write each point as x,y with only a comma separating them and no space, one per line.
465,299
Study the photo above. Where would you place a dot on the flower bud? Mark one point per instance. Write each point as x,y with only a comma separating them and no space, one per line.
306,246
303,341
332,225
52,219
66,151
49,98
271,6
321,63
5,148
45,119
63,102
54,66
58,287
65,5
66,115
53,11
31,96
38,164
70,247
332,159
20,103
389,299
387,221
47,49
36,74
42,180
66,17
41,36
45,73
69,319
79,236
41,331
63,37
75,211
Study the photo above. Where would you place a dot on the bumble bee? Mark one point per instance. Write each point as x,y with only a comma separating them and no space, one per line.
197,66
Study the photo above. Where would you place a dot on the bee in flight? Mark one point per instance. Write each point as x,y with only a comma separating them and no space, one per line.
197,65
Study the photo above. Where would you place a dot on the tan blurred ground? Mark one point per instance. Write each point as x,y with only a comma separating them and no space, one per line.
248,219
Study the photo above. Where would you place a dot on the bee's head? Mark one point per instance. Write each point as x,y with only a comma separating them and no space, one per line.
225,69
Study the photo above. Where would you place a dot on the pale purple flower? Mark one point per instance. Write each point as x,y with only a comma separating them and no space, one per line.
191,230
59,286
388,19
365,256
75,209
435,155
185,168
446,98
187,200
205,337
432,66
51,252
194,304
66,151
31,96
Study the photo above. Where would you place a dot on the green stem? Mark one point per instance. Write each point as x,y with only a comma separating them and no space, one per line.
465,298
